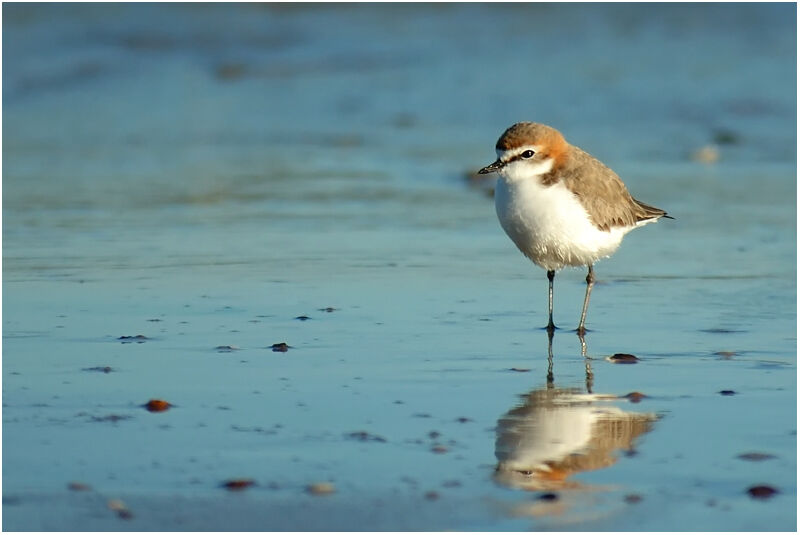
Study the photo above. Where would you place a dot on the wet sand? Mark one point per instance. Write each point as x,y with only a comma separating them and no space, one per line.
242,293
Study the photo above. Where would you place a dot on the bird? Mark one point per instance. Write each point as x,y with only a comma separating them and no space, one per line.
560,205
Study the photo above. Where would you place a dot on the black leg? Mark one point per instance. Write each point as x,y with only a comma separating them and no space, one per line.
550,325
589,283
549,359
588,364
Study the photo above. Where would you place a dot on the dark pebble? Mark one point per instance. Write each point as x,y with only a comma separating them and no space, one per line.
633,498
727,392
724,136
762,492
326,309
281,347
139,339
434,434
303,318
113,418
635,397
519,369
230,71
363,436
623,358
755,456
104,369
548,497
238,484
463,419
226,349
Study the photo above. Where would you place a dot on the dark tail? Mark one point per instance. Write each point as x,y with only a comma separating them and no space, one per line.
650,212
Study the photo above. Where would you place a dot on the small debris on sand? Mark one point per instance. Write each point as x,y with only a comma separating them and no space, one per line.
623,358
727,392
519,369
634,397
139,339
226,349
363,436
303,318
238,484
77,486
706,154
103,369
762,492
157,405
282,347
724,136
113,418
633,498
119,507
230,71
755,456
321,489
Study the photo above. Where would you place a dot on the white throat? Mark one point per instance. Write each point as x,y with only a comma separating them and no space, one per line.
525,169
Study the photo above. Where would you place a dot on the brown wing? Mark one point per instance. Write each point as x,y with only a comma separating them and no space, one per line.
602,193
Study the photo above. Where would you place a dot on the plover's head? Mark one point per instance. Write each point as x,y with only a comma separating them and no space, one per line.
528,149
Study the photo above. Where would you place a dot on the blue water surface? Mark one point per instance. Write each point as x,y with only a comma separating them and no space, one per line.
204,174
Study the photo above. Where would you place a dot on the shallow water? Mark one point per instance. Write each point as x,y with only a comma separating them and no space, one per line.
203,175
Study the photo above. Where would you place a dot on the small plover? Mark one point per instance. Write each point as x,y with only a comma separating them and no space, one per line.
561,206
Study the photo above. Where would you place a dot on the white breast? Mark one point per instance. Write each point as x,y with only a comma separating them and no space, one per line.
549,225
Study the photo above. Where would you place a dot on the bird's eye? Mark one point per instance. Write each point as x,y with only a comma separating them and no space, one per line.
528,154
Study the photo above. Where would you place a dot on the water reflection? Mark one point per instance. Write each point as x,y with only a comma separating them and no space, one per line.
558,432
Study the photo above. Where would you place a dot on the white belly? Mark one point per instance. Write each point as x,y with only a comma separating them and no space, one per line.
550,226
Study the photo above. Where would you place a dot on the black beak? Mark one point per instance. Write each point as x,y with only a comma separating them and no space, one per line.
491,168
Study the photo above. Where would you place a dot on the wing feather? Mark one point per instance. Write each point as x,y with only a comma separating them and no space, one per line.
603,193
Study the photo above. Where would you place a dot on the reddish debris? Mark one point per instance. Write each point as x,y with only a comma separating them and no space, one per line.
635,397
762,492
238,484
157,405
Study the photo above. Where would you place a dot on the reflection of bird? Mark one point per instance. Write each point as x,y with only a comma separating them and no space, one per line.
558,432
559,205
